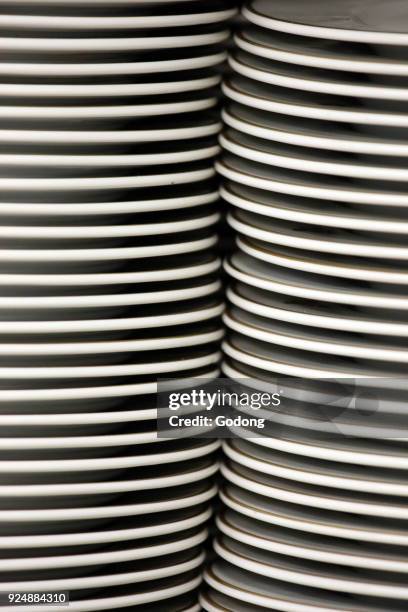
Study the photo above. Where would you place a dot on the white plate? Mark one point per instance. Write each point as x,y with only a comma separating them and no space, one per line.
102,558
98,137
298,284
162,593
106,90
330,265
314,497
114,278
304,573
109,511
108,300
107,161
105,183
302,78
277,595
315,212
106,208
317,472
109,254
213,601
125,323
313,339
104,371
290,182
36,419
321,315
83,22
384,454
306,104
303,408
181,523
183,131
311,519
309,160
268,537
105,112
77,232
106,391
191,474
120,346
110,463
361,21
110,68
316,53
268,232
296,363
309,133
109,44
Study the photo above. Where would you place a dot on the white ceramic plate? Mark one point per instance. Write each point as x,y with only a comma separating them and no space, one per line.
191,474
104,183
303,78
304,573
83,22
98,137
89,208
309,160
120,346
316,53
268,232
106,90
253,174
298,284
162,593
114,278
342,266
130,369
277,595
109,44
105,112
312,471
386,454
109,254
106,391
315,212
110,511
361,21
100,558
296,363
213,601
110,463
307,104
77,232
107,161
313,339
314,497
142,529
110,68
125,323
268,537
309,132
108,300
307,519
321,315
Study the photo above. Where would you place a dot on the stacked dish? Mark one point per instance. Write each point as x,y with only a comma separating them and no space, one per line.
315,170
109,280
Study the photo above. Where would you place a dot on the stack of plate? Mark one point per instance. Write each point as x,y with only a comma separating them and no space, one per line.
108,280
315,167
